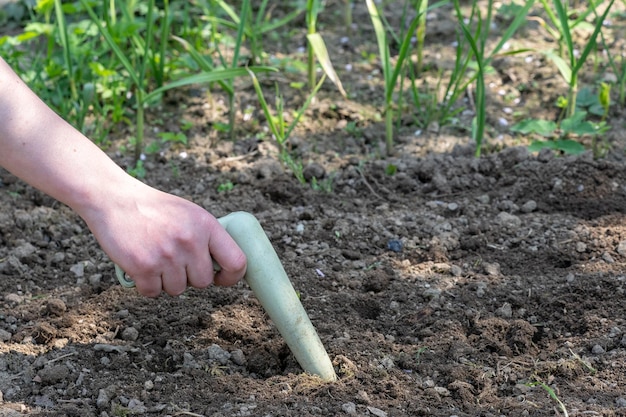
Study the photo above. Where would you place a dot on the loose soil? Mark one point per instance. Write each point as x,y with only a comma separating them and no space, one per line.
455,287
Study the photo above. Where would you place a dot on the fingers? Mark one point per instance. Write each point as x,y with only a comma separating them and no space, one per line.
149,286
228,255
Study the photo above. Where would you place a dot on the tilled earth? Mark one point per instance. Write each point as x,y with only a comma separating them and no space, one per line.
450,288
440,284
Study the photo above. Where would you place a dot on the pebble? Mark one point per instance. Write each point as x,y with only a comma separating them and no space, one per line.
621,248
218,354
56,307
505,311
237,357
24,251
13,299
376,411
130,334
78,269
492,269
103,399
620,402
4,335
529,206
394,245
597,350
508,221
53,374
349,408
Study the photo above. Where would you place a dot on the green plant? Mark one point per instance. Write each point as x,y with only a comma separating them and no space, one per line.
420,33
255,27
618,67
578,124
552,395
317,49
391,72
281,130
225,187
477,41
570,67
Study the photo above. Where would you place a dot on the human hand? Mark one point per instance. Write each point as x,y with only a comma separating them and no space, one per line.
163,242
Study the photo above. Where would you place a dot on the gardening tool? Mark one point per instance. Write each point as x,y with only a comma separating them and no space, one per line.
269,282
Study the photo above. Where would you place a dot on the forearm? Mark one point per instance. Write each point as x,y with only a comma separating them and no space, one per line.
42,149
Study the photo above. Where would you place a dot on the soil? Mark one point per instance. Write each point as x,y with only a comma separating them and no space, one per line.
454,286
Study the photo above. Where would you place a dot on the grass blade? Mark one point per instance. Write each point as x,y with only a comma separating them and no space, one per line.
319,48
221,74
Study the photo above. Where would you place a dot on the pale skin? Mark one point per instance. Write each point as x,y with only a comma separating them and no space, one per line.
165,243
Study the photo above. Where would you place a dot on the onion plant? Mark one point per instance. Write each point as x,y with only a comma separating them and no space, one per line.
391,71
570,67
317,49
477,40
279,127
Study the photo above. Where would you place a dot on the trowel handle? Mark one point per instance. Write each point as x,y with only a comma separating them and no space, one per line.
268,280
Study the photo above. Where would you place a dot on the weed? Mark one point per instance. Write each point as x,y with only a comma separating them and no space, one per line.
552,395
570,67
225,187
391,72
477,41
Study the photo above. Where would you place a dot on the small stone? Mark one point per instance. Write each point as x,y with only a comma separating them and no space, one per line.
4,335
581,247
52,374
148,385
456,271
606,257
529,206
130,334
443,391
237,357
349,408
597,350
394,245
508,221
13,299
313,170
620,402
376,411
103,399
621,248
56,307
432,293
24,251
218,354
78,269
95,280
505,311
492,269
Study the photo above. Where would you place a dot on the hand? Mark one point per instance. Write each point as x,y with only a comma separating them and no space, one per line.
163,242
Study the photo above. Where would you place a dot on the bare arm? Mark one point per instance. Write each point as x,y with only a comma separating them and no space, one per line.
164,242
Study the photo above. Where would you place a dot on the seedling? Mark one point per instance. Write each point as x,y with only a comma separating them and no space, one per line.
279,127
570,67
391,72
269,282
317,49
578,124
477,41
552,395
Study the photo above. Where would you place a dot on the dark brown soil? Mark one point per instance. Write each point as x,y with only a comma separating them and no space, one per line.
454,287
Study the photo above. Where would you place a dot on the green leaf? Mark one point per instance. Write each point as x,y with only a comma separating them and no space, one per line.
563,67
567,146
206,77
577,124
319,48
538,126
